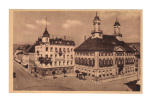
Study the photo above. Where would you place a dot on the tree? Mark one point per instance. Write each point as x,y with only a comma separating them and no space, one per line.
84,74
53,74
77,71
64,71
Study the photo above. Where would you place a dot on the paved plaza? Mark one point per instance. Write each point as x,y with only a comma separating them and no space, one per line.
25,81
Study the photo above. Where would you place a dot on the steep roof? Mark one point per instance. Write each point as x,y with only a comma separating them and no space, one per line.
96,18
45,34
135,46
61,42
31,49
108,43
117,23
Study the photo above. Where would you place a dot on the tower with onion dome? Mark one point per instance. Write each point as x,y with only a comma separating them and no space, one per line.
117,30
97,33
46,36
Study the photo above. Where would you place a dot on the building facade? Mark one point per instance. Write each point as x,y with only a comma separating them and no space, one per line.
54,53
104,56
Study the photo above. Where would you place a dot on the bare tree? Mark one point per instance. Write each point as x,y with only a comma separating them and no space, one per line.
53,74
64,71
84,74
77,71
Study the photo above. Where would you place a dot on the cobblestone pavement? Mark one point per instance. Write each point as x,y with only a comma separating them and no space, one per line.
24,81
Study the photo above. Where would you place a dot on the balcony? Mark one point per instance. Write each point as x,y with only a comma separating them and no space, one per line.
99,31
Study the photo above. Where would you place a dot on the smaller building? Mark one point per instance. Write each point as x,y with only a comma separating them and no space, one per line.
28,59
25,55
54,53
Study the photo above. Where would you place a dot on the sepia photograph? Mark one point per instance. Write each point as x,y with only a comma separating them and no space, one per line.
75,51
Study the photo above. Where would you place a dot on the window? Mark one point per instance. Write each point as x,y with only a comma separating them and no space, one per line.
63,56
71,49
67,56
64,50
59,63
51,49
51,55
46,56
37,52
67,62
68,49
56,50
71,62
46,48
55,63
59,49
50,63
71,56
55,55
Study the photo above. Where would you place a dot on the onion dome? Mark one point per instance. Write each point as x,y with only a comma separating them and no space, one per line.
96,17
117,23
45,34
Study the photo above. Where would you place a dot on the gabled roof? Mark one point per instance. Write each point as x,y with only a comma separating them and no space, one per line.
108,43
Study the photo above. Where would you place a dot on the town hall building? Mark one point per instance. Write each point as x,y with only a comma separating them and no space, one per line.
104,56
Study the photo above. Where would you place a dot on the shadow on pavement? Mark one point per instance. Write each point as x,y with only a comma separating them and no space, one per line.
132,85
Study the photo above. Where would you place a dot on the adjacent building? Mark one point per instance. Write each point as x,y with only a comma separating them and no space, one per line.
105,56
24,54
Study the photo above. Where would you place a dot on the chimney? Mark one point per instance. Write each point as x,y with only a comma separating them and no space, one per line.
84,38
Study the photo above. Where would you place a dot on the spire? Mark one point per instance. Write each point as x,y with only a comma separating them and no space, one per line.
96,17
46,34
116,19
46,23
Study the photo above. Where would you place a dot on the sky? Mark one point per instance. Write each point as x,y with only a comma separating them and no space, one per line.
29,25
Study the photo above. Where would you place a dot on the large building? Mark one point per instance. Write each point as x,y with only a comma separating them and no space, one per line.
104,56
54,53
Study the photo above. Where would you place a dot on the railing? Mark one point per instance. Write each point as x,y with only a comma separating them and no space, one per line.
62,37
96,31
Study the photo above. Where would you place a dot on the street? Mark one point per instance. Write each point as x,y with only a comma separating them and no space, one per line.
24,81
